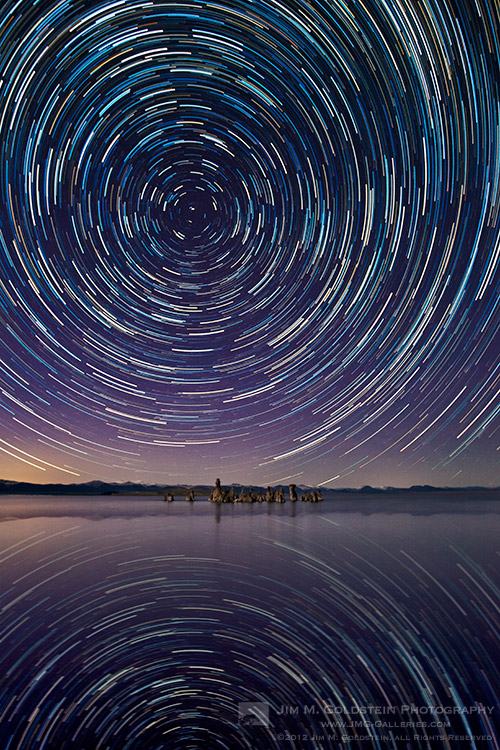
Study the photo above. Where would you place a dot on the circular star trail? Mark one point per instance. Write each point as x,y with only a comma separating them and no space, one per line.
157,635
259,233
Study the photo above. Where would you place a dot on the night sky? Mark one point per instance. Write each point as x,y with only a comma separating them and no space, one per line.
255,240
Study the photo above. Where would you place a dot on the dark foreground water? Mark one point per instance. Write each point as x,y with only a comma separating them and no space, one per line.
128,623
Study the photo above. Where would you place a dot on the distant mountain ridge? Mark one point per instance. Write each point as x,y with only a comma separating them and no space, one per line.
94,487
97,487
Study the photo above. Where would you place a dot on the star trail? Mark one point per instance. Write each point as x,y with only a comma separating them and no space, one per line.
254,238
122,638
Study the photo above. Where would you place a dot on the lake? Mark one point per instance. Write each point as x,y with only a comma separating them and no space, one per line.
134,624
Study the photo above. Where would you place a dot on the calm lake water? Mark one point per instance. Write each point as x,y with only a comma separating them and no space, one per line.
133,624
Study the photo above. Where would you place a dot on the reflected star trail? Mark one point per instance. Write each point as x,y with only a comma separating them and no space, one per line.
250,237
149,632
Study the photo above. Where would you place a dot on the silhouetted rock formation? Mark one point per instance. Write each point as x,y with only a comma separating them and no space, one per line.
190,496
244,496
169,497
219,494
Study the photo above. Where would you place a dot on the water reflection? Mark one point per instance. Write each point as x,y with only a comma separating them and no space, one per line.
168,630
